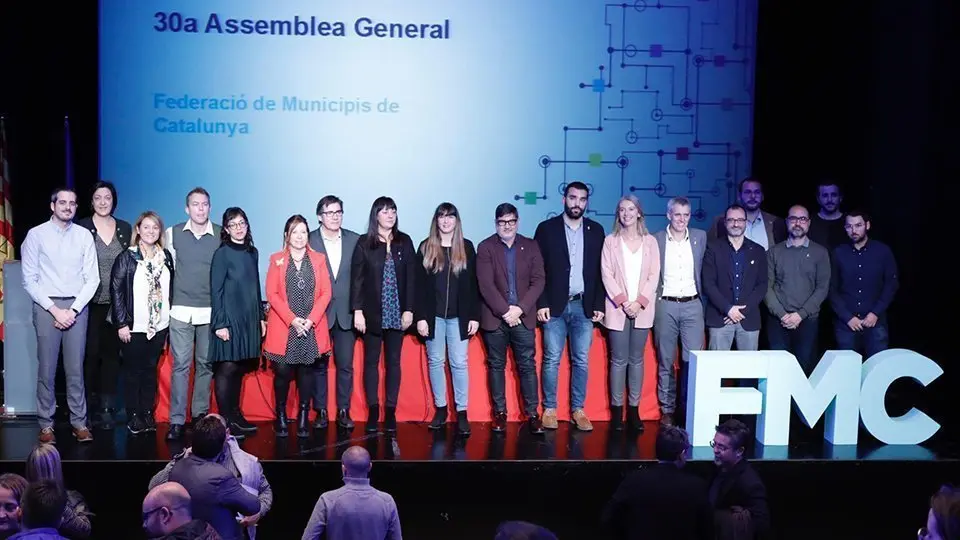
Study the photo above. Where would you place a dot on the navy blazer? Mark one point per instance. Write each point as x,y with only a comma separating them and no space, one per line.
216,495
718,275
552,239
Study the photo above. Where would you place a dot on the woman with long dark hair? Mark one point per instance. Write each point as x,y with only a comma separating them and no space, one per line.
448,309
101,365
236,317
140,286
383,277
298,337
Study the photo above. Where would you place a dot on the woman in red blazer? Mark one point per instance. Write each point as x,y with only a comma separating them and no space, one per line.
298,291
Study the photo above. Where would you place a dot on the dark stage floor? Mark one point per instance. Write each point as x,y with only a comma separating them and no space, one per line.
446,487
414,442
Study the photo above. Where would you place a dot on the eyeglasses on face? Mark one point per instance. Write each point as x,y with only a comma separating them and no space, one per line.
798,219
506,222
237,225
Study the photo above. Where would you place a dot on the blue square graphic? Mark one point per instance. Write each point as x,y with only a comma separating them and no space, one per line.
599,85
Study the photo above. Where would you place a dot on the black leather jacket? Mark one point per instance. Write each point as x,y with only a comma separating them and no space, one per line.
121,286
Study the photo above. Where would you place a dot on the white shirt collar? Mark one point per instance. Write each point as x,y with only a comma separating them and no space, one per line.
207,230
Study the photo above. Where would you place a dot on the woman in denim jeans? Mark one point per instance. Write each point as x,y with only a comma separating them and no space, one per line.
447,309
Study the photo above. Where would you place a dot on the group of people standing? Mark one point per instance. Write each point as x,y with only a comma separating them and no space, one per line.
103,287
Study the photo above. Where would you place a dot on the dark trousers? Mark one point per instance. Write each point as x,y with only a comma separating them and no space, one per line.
867,342
343,344
101,365
801,341
140,358
283,374
227,384
391,342
521,340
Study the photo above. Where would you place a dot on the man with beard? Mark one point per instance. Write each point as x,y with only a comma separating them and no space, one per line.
762,227
864,281
735,282
60,273
799,280
572,300
827,226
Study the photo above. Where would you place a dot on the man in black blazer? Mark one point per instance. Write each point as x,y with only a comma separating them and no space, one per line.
337,244
572,300
737,494
662,501
735,282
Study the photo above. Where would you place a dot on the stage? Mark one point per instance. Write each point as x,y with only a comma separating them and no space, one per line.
450,487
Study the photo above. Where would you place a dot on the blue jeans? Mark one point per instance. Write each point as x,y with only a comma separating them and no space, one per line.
867,342
580,329
447,341
801,341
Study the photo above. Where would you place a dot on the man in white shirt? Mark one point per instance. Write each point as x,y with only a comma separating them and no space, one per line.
60,273
337,244
679,311
192,244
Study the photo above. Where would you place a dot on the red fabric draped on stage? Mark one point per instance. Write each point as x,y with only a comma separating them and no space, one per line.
415,403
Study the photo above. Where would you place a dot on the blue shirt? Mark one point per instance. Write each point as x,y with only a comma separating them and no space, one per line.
357,510
59,262
511,254
738,258
575,249
864,280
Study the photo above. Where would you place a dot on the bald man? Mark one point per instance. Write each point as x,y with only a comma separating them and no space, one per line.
357,510
166,514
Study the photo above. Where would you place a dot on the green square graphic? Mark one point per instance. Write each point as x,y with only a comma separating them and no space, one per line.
596,159
530,197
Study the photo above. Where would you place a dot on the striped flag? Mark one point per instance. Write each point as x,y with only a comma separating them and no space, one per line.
6,215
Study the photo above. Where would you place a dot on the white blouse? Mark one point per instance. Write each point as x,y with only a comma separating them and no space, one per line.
141,290
632,262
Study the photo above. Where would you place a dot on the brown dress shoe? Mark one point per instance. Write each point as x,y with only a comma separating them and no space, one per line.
47,436
580,420
550,419
83,434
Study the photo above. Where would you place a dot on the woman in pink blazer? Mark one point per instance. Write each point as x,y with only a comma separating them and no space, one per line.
630,268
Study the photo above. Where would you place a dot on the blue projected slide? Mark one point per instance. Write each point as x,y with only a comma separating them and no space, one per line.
270,106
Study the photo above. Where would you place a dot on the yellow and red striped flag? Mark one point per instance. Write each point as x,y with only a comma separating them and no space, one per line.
6,214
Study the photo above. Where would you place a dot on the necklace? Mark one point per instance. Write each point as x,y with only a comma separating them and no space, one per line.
298,272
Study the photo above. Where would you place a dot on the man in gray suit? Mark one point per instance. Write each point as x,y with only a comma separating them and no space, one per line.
337,244
679,311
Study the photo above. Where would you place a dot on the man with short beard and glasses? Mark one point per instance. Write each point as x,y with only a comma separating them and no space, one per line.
827,225
798,279
863,283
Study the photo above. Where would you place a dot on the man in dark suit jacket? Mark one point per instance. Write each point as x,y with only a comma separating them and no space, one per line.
762,227
510,277
735,283
337,244
572,300
679,310
662,501
216,495
737,493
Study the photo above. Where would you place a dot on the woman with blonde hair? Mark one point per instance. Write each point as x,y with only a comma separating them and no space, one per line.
630,269
447,309
140,290
298,337
43,463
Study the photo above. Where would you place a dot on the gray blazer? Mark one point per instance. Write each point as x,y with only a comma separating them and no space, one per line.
339,308
698,242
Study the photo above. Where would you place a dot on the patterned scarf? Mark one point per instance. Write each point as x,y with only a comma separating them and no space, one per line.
154,269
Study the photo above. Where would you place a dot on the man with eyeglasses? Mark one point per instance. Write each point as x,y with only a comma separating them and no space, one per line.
192,245
737,493
863,284
511,278
735,282
798,283
166,514
60,273
337,244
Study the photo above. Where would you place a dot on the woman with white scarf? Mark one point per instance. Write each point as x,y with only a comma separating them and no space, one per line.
140,290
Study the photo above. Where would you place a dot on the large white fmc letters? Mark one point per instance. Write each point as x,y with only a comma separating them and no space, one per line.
842,387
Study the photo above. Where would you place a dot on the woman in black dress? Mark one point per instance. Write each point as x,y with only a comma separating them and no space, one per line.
382,298
236,319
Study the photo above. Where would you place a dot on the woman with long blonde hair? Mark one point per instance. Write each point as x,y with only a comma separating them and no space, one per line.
44,463
447,309
630,269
